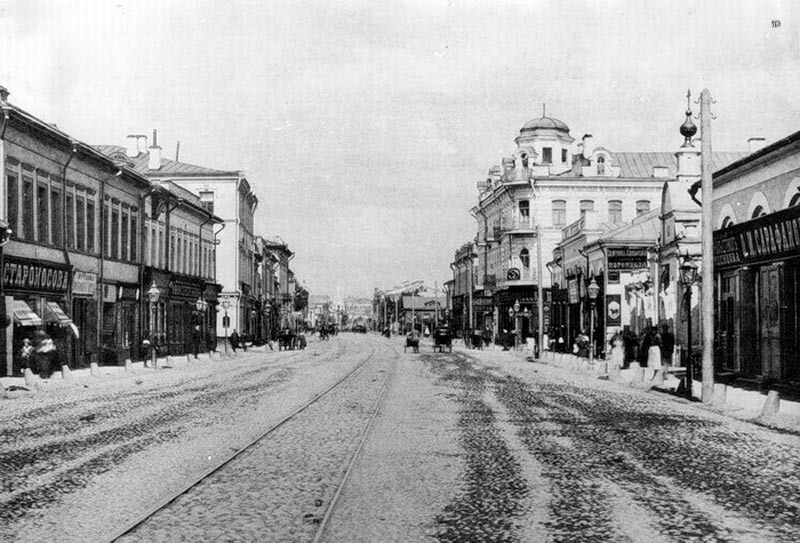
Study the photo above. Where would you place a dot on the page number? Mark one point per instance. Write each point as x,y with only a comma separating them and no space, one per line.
776,23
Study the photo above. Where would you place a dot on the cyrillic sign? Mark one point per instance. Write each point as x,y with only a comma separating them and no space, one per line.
771,237
34,276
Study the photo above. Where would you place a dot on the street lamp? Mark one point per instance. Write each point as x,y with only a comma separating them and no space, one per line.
153,295
201,305
688,278
226,321
517,325
593,290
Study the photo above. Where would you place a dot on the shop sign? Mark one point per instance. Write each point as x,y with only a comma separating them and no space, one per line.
572,289
768,238
184,289
34,276
627,258
513,274
613,309
84,284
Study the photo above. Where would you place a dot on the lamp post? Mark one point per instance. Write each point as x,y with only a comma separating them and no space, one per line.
517,325
153,294
267,314
226,322
688,277
526,314
201,305
593,290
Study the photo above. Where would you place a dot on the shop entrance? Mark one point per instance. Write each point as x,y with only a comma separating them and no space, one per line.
770,320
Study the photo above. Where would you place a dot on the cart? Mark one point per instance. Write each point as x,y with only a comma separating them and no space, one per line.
442,340
412,342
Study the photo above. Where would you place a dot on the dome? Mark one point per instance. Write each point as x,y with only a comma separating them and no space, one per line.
545,123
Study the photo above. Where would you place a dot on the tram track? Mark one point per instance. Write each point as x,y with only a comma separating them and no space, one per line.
230,459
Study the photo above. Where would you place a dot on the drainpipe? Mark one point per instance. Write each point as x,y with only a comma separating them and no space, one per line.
144,228
101,268
73,152
8,331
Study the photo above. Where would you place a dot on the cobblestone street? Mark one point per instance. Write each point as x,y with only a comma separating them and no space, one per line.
466,446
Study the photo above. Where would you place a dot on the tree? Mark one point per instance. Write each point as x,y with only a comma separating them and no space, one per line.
300,298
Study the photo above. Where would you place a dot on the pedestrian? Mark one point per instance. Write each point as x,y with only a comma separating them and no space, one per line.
667,345
27,355
650,351
46,356
196,335
581,347
234,339
617,351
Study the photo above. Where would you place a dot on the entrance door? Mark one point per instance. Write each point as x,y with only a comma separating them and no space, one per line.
727,322
770,320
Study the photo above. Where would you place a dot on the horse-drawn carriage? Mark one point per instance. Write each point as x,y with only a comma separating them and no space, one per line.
412,342
475,339
442,339
289,340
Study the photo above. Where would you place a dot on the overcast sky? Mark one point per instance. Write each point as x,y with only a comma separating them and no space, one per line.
364,126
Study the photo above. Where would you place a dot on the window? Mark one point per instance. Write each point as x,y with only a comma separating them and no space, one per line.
80,220
727,222
559,212
90,219
524,210
547,155
12,199
615,211
153,254
601,165
115,235
161,249
27,207
56,229
795,200
134,238
564,156
207,201
43,217
642,207
525,258
586,205
70,211
758,212
125,235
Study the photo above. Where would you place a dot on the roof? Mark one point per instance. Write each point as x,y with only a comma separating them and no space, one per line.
642,164
747,158
646,227
168,167
420,303
544,123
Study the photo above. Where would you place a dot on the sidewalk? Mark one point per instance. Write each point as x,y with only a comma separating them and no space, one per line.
762,408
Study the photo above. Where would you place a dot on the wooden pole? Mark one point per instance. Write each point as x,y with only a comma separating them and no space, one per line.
707,305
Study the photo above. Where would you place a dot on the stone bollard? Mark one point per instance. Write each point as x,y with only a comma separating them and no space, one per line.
66,374
658,378
94,369
772,404
128,364
188,358
615,372
638,373
30,378
169,360
720,395
602,368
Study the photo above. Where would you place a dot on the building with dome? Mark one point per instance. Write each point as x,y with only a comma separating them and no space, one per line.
552,189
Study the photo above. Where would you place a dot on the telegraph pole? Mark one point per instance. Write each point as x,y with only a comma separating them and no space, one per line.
707,305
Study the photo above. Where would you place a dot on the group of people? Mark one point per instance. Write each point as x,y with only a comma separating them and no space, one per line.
40,355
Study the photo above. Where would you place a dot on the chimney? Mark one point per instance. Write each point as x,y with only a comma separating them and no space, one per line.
155,154
588,145
3,95
756,144
132,146
660,171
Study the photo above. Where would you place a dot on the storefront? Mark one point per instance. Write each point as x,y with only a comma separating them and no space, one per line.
757,269
36,295
84,315
184,319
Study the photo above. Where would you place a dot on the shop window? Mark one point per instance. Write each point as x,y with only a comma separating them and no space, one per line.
586,205
70,211
559,212
91,245
80,221
642,207
12,201
547,155
57,226
615,211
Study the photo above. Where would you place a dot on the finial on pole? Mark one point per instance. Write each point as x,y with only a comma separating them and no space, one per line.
544,109
688,129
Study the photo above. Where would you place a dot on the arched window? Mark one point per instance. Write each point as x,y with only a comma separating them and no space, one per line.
586,205
524,210
727,222
758,212
525,160
601,165
559,212
642,207
525,258
795,201
615,211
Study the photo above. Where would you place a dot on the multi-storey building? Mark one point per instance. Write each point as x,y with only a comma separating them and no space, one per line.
284,296
465,268
228,195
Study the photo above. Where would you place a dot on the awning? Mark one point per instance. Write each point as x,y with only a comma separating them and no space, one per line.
24,315
56,314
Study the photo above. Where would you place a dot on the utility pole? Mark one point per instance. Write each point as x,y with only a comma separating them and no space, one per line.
540,288
708,247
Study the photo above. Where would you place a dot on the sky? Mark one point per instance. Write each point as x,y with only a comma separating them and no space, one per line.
364,126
